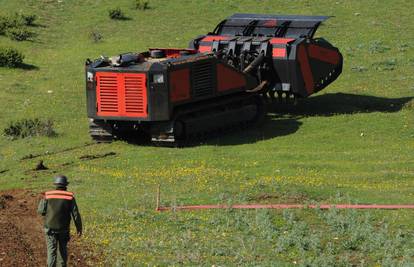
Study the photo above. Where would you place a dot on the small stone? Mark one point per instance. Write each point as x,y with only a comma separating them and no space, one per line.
362,134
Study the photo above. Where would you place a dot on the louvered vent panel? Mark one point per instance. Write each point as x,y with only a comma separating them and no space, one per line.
108,93
134,94
203,79
121,94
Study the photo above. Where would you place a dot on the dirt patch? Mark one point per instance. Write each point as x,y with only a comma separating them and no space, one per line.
22,241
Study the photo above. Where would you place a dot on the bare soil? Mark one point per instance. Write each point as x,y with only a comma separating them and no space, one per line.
22,240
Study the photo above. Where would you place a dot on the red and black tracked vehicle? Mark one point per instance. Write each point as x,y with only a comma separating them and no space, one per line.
218,82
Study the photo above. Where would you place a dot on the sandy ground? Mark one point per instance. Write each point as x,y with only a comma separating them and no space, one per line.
22,241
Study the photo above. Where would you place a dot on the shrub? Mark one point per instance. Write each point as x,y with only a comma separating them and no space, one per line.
28,128
14,26
410,104
359,68
3,25
96,36
116,13
28,20
377,47
19,19
10,57
141,4
19,34
389,64
14,21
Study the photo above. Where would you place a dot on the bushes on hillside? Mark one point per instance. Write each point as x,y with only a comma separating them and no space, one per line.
4,24
19,34
19,19
96,36
10,57
29,128
141,4
16,26
28,20
116,13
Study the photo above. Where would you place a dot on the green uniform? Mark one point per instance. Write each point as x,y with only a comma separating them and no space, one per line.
57,207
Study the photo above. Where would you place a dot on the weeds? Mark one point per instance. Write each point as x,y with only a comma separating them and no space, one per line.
15,26
359,68
19,34
28,20
386,65
377,47
343,235
96,36
29,128
3,25
10,57
18,20
141,4
403,47
409,105
116,14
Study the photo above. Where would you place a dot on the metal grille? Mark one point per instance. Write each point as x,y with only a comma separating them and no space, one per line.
203,79
134,94
121,94
108,93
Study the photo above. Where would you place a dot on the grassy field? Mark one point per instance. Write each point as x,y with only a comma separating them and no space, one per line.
353,142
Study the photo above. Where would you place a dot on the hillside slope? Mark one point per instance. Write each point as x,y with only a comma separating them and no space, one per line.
352,142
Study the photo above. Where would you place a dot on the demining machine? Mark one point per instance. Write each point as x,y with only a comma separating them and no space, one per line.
220,81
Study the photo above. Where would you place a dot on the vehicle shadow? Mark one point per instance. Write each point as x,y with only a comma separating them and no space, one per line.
340,103
271,127
283,118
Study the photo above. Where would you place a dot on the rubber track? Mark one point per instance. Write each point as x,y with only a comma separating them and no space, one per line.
198,137
100,133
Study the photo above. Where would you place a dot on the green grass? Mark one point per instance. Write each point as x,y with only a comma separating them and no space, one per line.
353,142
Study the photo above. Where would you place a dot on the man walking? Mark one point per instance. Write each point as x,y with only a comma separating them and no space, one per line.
57,207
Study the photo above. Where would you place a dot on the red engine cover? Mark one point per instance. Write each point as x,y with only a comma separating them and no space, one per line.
121,94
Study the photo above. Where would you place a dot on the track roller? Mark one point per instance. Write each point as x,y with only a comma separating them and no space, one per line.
100,131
